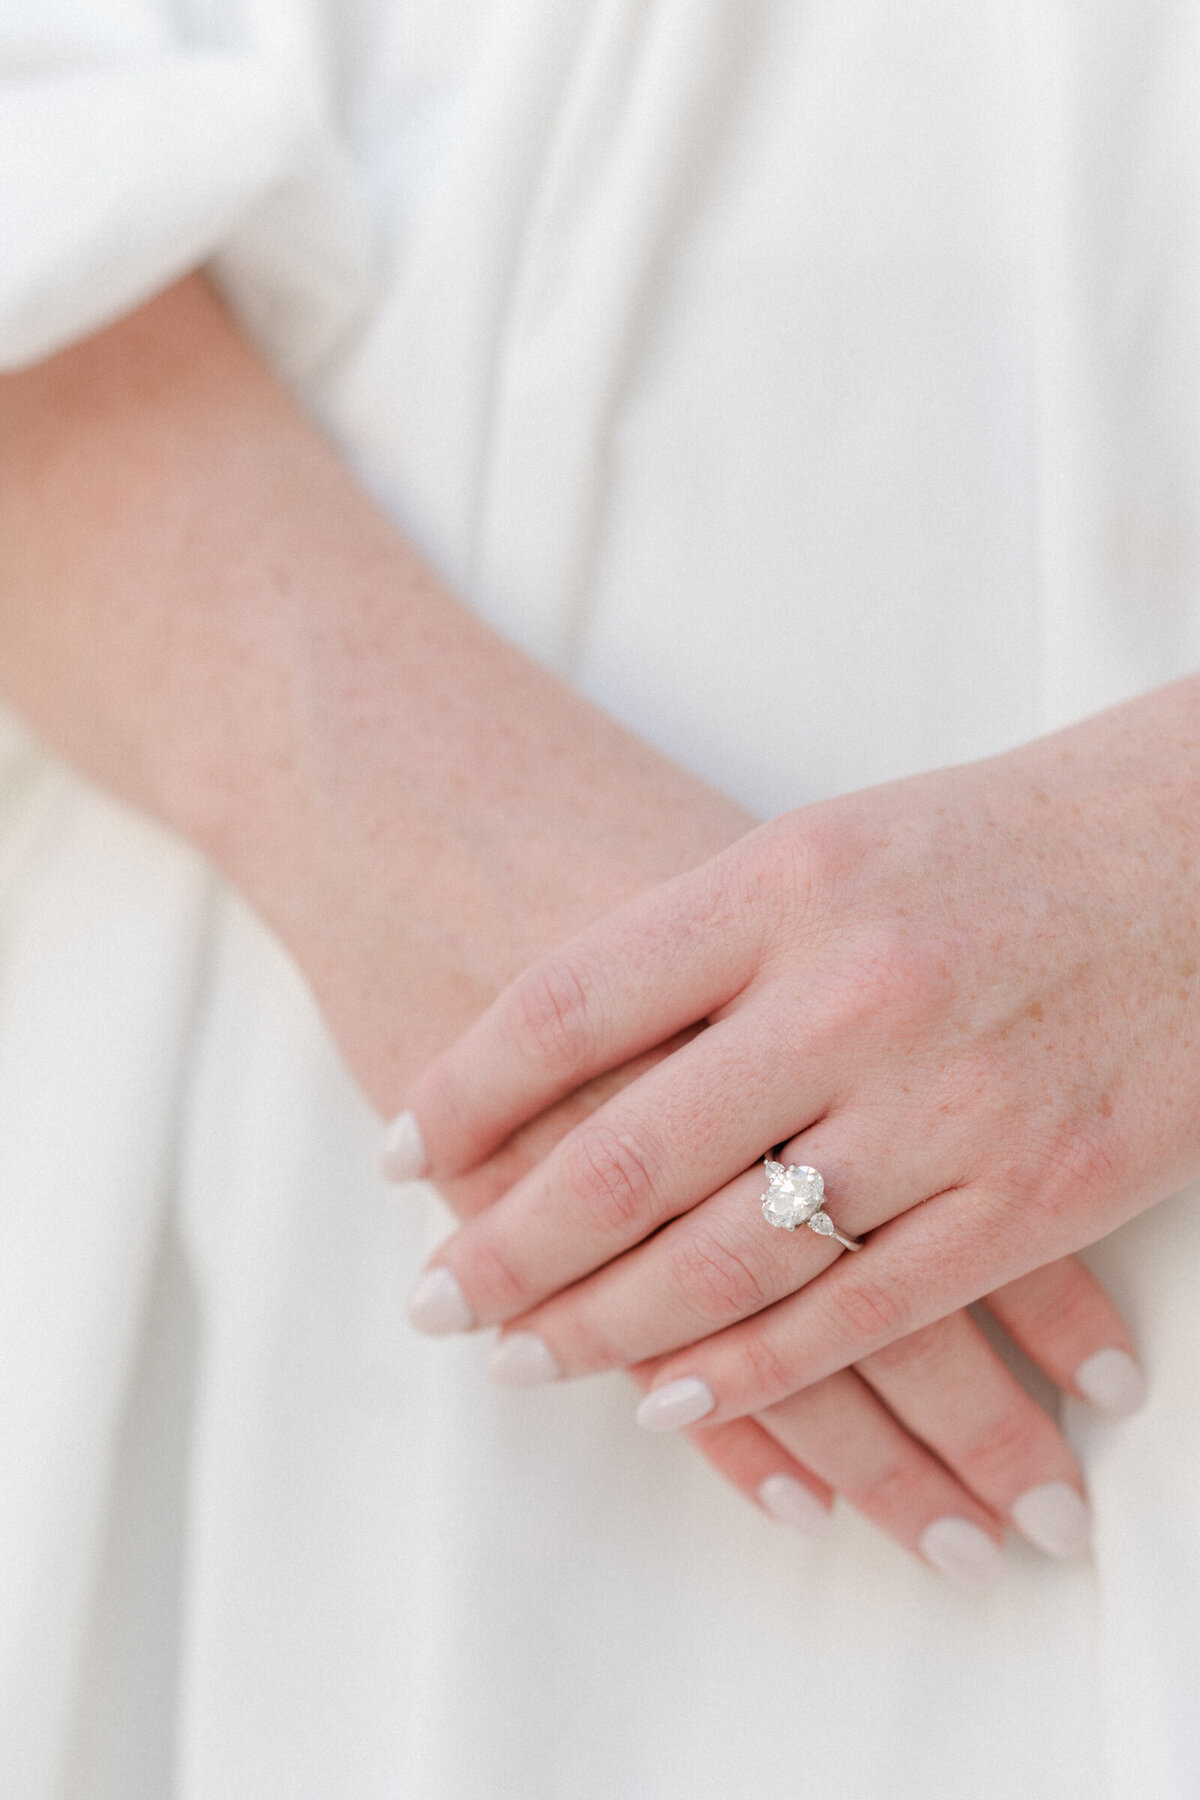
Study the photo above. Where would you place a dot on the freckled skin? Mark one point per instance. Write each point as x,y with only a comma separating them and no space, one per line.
973,987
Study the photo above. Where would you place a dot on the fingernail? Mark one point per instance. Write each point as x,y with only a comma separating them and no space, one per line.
959,1550
789,1501
675,1405
523,1359
438,1305
1055,1518
1112,1381
404,1157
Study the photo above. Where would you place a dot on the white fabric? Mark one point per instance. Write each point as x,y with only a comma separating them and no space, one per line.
719,350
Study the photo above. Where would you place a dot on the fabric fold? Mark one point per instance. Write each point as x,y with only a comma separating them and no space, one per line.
118,175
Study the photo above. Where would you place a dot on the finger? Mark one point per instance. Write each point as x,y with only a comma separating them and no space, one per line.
657,1149
846,1436
760,1468
652,968
1064,1320
947,1385
467,1195
721,1261
939,1256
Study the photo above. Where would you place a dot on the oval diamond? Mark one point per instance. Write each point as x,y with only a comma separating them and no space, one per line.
793,1195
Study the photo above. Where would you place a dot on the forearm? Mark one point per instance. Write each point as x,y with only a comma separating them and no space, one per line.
203,612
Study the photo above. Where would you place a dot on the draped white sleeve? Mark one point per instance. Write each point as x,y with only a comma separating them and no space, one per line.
129,155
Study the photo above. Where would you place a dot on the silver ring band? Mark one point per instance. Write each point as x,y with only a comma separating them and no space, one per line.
796,1196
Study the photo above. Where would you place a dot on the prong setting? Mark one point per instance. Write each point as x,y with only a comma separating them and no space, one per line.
795,1196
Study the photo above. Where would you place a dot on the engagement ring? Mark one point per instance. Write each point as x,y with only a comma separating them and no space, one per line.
796,1196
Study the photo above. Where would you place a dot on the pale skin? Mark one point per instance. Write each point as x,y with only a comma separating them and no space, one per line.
201,610
968,998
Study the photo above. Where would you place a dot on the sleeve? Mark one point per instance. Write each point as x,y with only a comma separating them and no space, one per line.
128,157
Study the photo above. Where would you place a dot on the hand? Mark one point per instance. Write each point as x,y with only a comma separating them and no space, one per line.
995,1453
969,995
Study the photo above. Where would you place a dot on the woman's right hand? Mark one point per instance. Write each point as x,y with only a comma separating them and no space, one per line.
203,612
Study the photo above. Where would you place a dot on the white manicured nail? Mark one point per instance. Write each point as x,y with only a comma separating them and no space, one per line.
1055,1518
523,1359
404,1157
438,1305
960,1550
677,1404
789,1501
1112,1381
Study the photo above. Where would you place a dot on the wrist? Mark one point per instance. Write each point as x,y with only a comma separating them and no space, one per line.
206,615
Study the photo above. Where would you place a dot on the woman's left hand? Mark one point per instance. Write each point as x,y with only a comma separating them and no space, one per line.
932,1438
968,998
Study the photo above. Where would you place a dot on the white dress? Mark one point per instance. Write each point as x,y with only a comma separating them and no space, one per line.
816,384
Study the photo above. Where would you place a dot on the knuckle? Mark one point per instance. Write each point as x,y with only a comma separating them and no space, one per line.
1058,1305
823,846
713,1280
492,1273
880,985
797,863
574,1328
766,1373
1015,1442
553,1006
825,854
868,1312
885,976
1076,1169
886,1492
1061,1173
909,1357
614,1175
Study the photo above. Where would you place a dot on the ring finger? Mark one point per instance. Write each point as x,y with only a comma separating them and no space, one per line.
721,1261
658,1149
